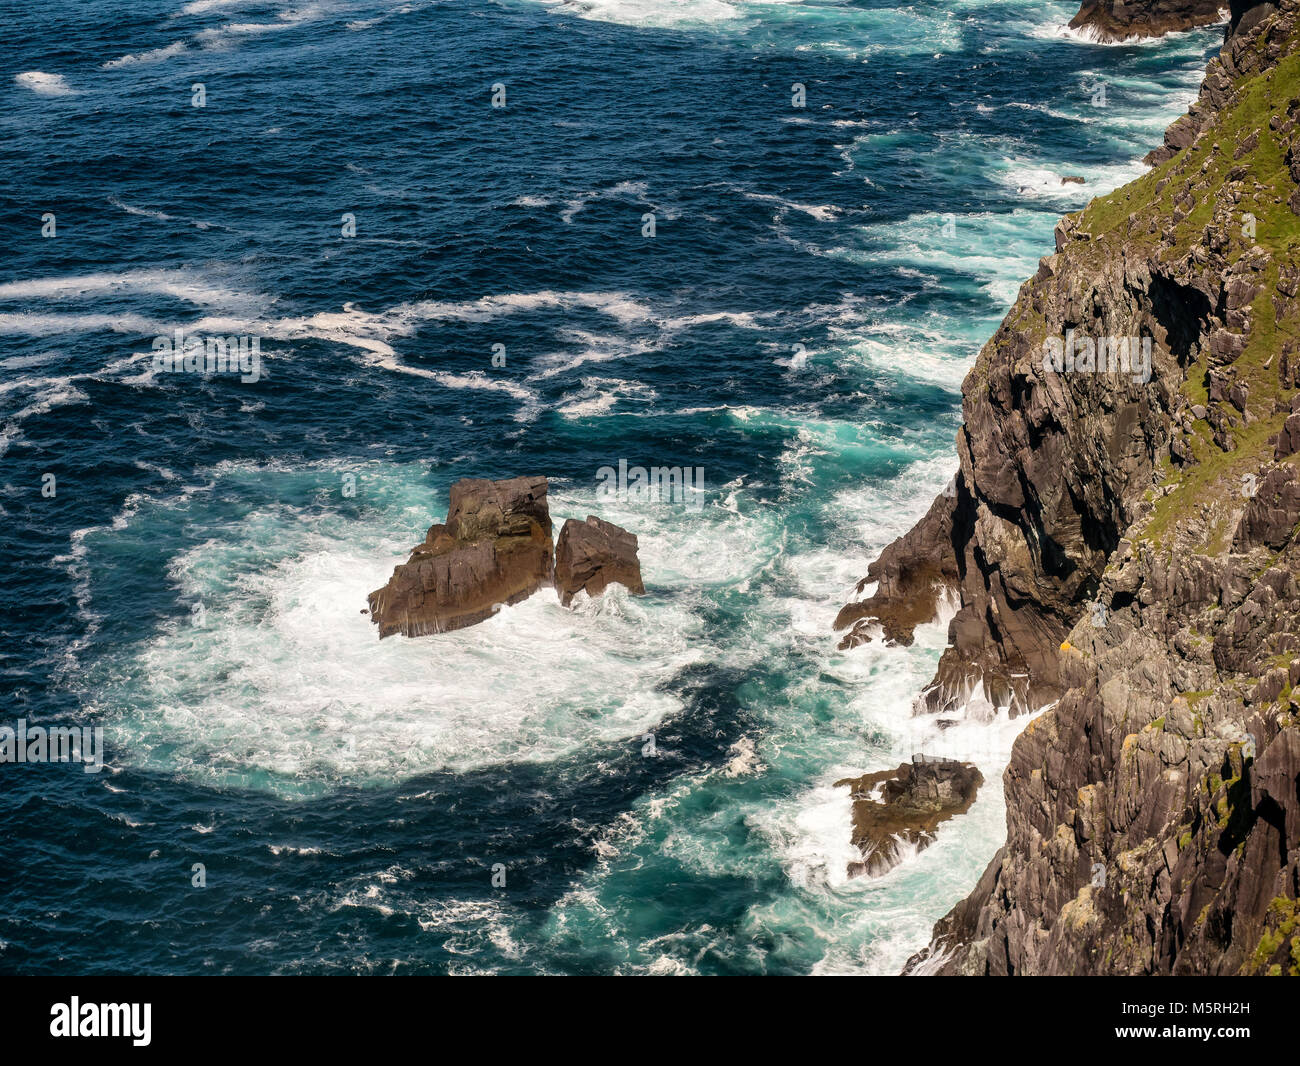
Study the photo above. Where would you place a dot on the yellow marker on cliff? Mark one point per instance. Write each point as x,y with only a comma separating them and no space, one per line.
1066,646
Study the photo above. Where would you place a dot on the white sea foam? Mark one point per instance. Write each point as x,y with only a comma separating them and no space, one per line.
186,285
816,845
744,760
921,350
597,396
46,394
636,191
373,335
370,332
160,216
652,13
152,55
594,348
37,325
287,687
45,84
821,212
998,250
1030,181
1089,35
203,7
228,34
854,33
291,849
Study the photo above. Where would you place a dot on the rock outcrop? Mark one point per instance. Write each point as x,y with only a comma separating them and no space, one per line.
1122,20
911,577
895,811
592,555
1216,89
1123,544
495,548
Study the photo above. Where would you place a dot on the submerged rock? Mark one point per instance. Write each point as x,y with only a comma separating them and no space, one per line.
495,548
592,555
895,809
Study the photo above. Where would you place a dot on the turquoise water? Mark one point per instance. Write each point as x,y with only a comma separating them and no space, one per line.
818,283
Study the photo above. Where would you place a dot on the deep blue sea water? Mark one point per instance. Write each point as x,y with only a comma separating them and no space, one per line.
818,281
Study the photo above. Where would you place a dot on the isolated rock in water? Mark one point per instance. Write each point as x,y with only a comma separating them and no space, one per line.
1072,179
893,808
594,554
495,548
1121,20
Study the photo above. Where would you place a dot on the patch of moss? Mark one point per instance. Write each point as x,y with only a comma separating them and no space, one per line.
1281,921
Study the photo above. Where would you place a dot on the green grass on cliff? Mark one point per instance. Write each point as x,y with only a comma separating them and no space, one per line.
1123,219
1283,921
1212,160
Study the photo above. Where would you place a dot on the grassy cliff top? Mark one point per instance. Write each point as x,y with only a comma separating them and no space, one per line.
1229,197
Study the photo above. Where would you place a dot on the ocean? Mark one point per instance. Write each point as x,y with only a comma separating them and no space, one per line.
487,239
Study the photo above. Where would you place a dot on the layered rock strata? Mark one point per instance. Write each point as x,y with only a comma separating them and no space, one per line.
592,555
495,549
899,811
1122,20
1121,537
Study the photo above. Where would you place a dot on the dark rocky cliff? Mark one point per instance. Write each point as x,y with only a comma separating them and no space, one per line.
1124,547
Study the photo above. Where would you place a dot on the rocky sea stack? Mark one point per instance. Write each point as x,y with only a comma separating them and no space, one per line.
496,549
593,555
1122,540
894,810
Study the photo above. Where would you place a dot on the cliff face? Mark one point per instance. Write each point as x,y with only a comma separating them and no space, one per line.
1123,543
